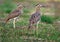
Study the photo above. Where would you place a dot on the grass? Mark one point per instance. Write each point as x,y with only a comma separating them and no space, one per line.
45,30
47,19
9,34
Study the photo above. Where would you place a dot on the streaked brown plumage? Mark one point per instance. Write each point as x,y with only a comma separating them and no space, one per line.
35,17
15,13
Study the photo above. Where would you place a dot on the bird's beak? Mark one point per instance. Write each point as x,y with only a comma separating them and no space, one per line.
42,5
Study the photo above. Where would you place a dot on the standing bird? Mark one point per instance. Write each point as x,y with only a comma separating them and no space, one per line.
14,14
35,17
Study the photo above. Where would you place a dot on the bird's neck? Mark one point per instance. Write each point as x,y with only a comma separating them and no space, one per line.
38,11
21,11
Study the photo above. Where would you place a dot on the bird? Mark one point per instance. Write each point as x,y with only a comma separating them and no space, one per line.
35,17
14,14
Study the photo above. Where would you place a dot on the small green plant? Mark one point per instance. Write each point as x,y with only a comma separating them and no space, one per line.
47,19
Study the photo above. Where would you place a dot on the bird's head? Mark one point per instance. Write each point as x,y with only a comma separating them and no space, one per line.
20,7
38,6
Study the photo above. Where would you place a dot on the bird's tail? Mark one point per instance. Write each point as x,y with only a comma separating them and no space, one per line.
6,20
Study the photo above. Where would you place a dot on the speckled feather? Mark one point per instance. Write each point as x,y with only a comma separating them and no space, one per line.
14,13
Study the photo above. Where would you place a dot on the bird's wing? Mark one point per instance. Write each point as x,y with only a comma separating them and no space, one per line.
12,15
34,18
14,11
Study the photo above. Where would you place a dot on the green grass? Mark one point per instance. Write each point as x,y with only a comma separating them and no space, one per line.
45,30
47,19
9,34
13,35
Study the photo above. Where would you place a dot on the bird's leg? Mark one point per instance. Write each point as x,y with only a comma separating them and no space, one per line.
37,28
14,22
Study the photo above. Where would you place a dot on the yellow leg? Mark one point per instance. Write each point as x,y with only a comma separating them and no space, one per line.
14,22
37,28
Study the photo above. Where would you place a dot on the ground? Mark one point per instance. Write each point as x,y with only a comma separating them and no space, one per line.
46,32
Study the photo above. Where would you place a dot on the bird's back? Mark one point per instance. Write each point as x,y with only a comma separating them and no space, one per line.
13,14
